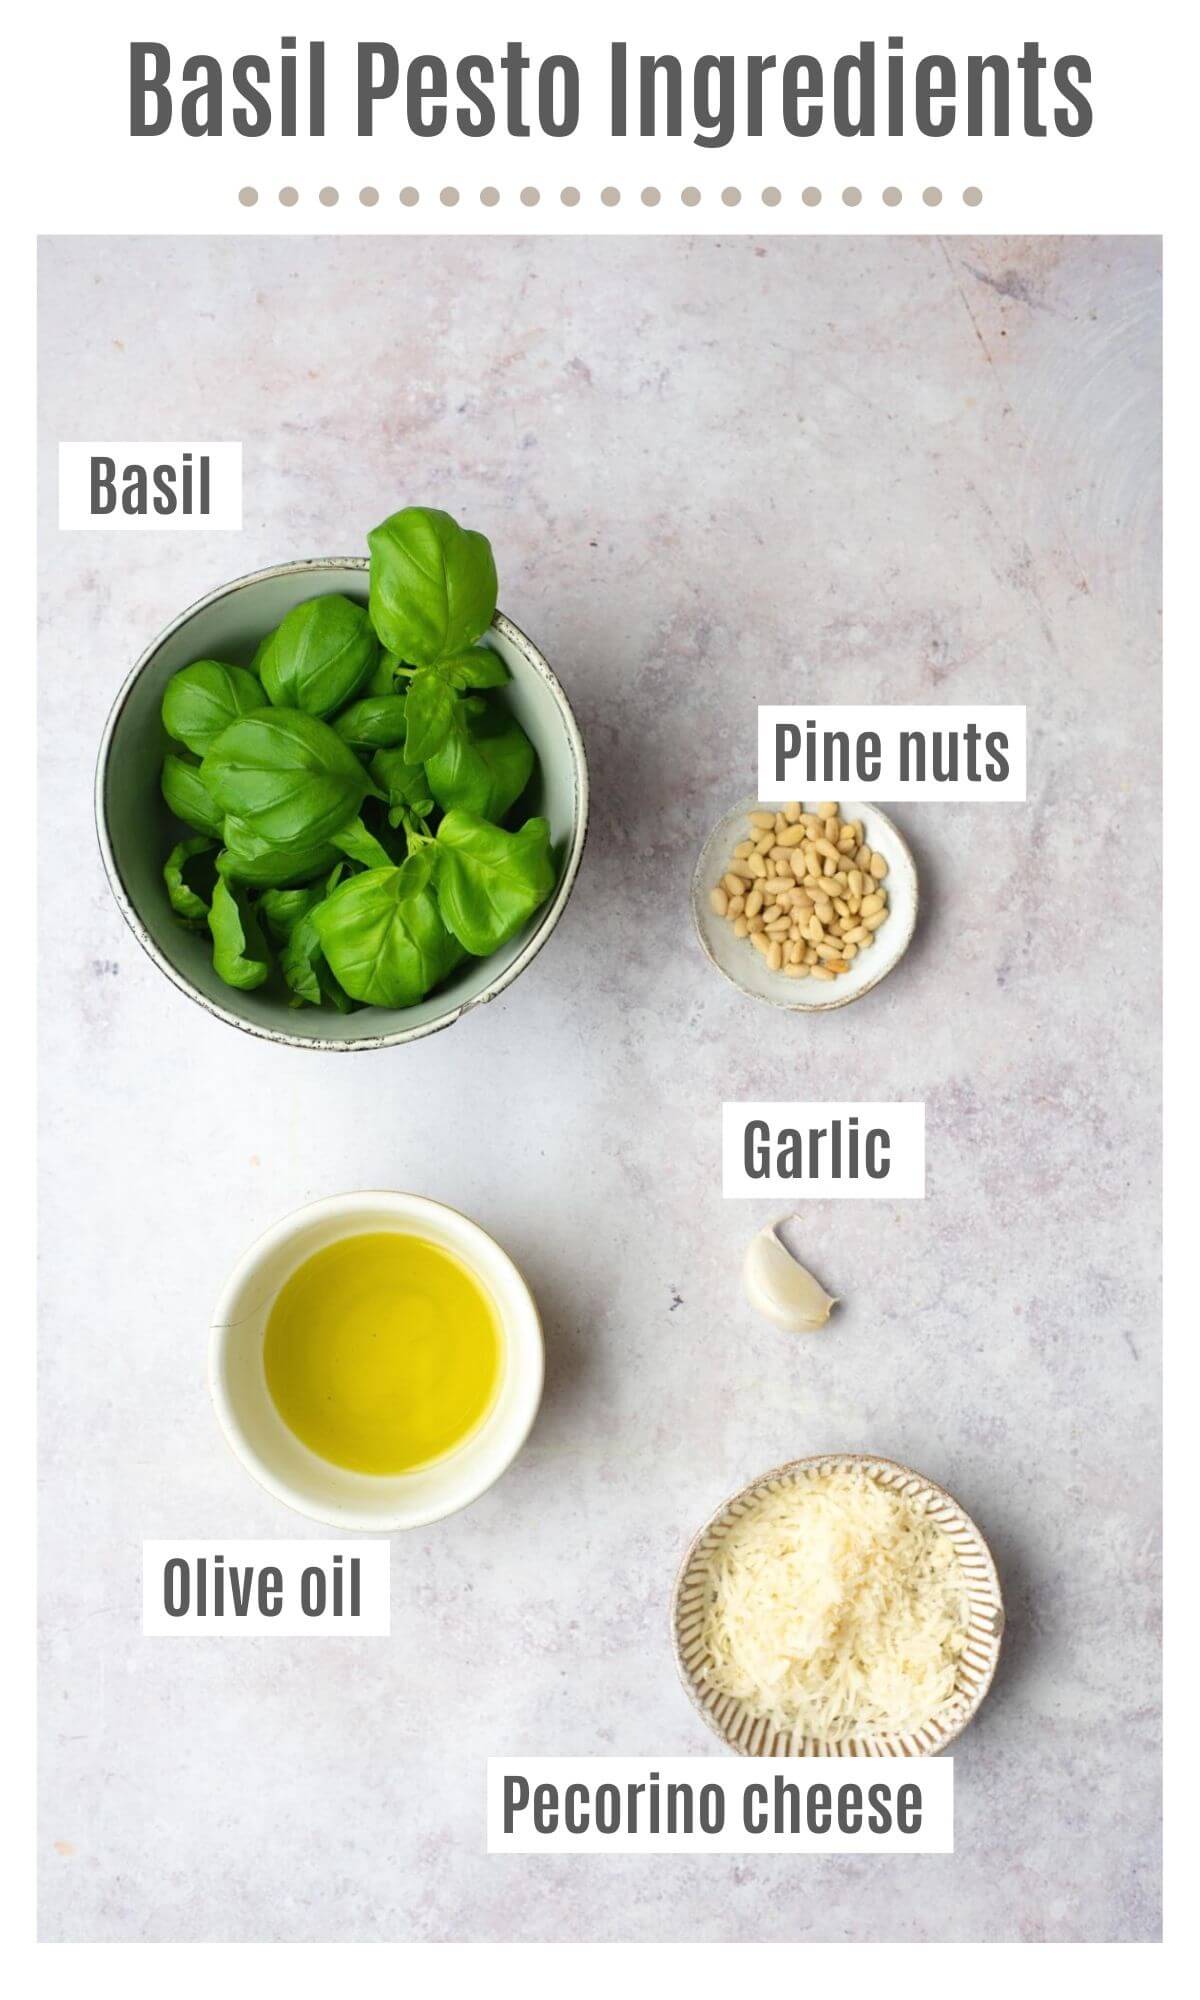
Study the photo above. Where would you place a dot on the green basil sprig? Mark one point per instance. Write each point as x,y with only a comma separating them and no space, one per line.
484,763
240,953
300,782
203,699
186,902
489,882
433,585
383,935
376,722
318,657
285,775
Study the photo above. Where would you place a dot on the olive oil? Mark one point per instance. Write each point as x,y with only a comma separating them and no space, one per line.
382,1353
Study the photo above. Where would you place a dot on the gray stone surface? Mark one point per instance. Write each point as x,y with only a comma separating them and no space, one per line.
715,473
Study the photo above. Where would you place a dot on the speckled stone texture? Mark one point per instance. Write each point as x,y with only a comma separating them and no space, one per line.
715,473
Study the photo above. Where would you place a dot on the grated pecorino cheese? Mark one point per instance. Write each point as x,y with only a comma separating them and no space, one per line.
838,1608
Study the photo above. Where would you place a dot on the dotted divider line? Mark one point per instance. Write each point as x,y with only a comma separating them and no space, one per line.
611,197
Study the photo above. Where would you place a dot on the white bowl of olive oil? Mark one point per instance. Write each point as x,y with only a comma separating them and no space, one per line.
376,1361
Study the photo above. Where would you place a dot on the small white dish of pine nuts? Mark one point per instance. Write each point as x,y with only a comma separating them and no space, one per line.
807,906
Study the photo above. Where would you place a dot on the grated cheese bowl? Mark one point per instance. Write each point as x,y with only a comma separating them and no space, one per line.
756,1735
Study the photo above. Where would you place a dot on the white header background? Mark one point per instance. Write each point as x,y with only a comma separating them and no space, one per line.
94,177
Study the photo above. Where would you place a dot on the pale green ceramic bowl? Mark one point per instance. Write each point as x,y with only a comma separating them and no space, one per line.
137,832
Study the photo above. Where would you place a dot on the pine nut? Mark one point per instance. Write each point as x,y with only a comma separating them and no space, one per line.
804,887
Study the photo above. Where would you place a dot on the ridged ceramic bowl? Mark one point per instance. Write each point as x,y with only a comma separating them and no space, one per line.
137,832
754,1734
748,969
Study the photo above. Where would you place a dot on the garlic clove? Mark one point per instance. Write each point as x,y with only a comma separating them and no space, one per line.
778,1286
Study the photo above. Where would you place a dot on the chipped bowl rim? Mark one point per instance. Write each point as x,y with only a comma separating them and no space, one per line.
751,1733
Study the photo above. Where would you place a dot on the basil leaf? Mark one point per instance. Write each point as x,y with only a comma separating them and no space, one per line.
430,712
490,882
377,722
298,963
264,864
360,844
319,655
286,776
282,909
332,991
383,935
203,699
186,902
480,668
484,764
433,585
405,785
240,954
383,677
189,798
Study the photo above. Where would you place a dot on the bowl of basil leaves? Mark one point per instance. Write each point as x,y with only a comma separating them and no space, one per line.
342,801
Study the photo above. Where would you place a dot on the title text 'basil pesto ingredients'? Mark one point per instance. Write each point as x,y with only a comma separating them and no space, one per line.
805,890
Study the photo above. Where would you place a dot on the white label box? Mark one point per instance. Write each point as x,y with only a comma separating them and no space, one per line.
827,1152
925,751
292,1590
718,1805
123,486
